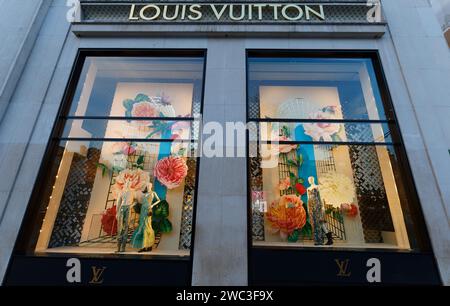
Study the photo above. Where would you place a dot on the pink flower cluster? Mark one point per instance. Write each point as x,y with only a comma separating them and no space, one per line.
171,171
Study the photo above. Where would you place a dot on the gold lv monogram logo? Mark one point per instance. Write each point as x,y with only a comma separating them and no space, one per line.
97,275
343,267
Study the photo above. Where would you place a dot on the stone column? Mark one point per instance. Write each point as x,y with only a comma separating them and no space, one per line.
220,246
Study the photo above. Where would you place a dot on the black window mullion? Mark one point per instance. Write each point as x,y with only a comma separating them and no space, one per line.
127,118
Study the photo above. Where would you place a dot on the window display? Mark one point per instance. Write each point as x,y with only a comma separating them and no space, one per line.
326,172
123,174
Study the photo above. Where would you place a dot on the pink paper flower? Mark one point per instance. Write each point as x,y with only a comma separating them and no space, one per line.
322,130
181,125
123,148
180,129
171,171
144,109
282,148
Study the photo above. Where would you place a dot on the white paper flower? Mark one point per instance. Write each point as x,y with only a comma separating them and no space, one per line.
336,188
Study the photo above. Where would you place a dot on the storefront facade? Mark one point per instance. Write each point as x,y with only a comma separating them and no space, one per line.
118,171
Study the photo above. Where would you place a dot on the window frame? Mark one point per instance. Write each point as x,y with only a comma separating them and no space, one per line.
418,232
27,237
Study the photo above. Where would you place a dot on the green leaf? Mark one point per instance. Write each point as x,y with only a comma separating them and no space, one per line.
117,169
306,230
300,160
141,98
160,223
300,180
128,104
181,152
335,137
292,176
104,168
161,209
294,236
285,131
140,160
292,163
156,225
166,226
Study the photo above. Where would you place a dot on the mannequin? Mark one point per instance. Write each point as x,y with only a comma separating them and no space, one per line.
144,236
316,215
125,201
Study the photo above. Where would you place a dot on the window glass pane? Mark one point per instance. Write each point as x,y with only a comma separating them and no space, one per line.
122,173
307,88
131,129
325,131
324,156
101,196
351,192
139,87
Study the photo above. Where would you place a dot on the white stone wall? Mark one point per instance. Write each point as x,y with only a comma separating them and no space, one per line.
424,60
442,10
416,61
19,26
23,137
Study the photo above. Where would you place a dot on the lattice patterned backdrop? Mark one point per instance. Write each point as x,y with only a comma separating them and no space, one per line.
370,191
75,200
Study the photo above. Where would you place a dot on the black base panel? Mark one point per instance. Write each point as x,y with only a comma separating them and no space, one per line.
43,271
274,267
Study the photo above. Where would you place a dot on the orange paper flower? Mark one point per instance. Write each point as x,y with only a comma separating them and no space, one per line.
287,215
137,181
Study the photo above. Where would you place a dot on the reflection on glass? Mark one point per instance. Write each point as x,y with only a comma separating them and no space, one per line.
107,191
139,87
324,169
294,88
325,131
345,195
123,175
131,129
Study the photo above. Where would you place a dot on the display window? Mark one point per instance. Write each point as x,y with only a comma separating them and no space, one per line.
328,169
121,176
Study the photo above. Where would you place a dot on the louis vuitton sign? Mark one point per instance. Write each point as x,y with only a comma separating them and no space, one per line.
226,12
244,12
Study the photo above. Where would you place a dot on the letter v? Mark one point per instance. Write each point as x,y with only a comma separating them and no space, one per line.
218,14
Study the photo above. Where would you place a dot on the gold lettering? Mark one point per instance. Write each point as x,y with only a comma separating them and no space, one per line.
293,6
97,275
320,14
275,10
343,267
232,13
195,10
260,10
175,14
183,12
132,17
144,10
217,13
